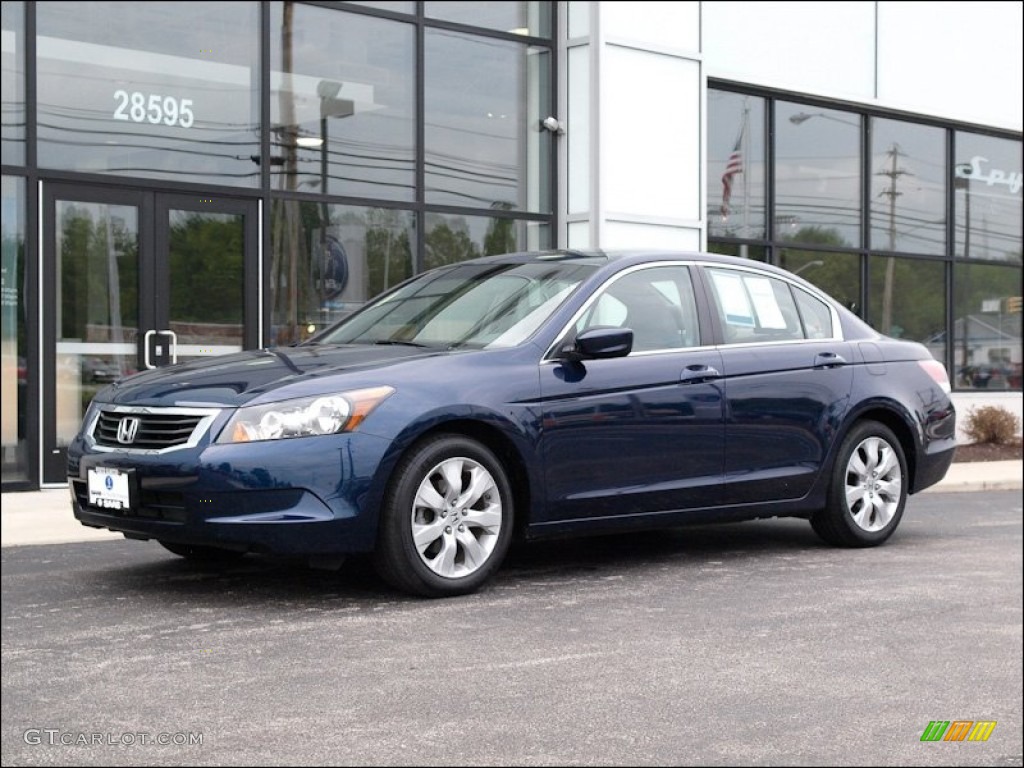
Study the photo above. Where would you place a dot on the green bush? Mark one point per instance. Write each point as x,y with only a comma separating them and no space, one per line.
991,424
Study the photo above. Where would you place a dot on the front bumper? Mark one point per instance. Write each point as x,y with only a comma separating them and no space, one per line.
301,496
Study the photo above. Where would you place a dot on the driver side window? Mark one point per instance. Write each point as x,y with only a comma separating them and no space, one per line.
656,303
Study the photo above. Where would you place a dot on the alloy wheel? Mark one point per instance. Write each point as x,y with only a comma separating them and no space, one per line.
456,517
874,484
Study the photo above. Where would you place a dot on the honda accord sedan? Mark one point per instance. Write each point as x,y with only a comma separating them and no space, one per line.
525,395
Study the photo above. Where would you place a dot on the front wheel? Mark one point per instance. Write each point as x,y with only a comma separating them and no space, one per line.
868,490
446,522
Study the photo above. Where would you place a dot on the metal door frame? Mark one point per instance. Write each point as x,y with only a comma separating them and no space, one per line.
153,275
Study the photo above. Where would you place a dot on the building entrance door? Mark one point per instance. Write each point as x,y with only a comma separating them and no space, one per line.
136,280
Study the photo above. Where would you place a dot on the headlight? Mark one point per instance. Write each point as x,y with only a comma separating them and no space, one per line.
303,417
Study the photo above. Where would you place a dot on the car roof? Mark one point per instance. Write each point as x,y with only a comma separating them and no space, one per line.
601,257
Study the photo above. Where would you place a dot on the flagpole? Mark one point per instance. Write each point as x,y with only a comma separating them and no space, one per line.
744,141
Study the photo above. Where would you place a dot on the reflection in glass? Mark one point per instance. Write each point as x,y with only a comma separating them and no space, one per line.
206,282
736,165
97,304
987,181
485,100
342,109
398,6
837,274
12,85
160,90
467,306
753,308
908,187
817,175
523,17
320,274
13,342
920,311
452,238
755,252
986,326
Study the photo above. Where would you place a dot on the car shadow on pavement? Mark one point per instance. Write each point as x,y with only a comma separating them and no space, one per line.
264,580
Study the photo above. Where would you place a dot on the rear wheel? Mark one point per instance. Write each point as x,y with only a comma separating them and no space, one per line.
447,517
202,554
868,491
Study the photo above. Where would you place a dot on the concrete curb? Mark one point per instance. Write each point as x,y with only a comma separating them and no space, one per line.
981,476
44,517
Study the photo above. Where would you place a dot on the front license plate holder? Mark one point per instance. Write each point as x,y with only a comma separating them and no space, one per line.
111,488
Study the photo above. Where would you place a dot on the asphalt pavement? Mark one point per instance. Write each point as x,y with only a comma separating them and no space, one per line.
742,644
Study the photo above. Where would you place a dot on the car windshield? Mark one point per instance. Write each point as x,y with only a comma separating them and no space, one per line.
466,305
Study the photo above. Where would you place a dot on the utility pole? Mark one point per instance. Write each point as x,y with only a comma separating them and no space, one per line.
893,173
962,180
289,135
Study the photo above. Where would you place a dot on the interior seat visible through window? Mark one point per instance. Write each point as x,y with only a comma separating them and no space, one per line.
655,324
657,304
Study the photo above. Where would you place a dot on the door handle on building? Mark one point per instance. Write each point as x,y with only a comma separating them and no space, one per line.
145,346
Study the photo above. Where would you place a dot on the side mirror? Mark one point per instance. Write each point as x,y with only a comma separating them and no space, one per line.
601,343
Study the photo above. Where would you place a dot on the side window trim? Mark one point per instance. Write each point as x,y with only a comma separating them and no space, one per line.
799,314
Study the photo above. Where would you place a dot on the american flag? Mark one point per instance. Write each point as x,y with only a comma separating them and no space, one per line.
732,167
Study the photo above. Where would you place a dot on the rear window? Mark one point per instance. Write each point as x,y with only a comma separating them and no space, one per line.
815,314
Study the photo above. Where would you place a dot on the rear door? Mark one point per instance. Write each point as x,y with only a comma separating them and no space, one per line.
786,382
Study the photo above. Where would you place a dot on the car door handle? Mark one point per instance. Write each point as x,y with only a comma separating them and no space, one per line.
829,360
694,374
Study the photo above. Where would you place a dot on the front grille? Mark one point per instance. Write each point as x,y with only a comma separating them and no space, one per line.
157,430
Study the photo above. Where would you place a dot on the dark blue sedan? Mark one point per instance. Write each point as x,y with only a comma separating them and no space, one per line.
531,394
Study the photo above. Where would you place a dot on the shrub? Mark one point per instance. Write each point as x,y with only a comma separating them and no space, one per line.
991,424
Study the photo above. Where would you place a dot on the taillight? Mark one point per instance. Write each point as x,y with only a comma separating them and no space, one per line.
937,371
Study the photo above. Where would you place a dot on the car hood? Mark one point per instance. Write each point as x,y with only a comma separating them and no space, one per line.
242,377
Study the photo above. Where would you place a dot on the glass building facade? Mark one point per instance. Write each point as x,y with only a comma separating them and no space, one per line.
194,178
915,226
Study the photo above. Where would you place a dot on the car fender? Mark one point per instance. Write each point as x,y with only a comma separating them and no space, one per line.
482,422
895,416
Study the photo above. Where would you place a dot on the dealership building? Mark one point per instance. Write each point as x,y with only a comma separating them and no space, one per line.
185,179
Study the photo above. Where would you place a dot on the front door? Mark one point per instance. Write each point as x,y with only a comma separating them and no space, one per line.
640,434
137,280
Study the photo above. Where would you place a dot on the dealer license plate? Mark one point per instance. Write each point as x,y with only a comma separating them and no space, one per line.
109,488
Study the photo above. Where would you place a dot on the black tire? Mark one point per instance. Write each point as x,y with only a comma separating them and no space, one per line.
200,554
871,470
452,559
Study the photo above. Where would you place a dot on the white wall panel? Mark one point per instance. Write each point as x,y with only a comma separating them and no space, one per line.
674,25
578,12
818,48
627,234
578,129
579,234
650,142
955,60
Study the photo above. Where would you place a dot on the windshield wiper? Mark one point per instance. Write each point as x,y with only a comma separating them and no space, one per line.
399,343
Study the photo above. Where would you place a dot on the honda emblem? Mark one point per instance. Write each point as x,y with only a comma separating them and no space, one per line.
127,430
